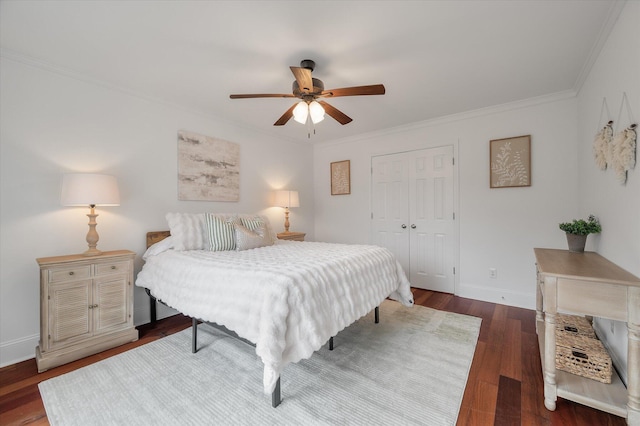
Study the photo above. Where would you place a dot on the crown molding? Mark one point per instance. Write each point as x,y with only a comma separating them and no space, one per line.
612,17
438,121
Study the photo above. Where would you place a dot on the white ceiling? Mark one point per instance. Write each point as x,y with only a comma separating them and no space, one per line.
435,58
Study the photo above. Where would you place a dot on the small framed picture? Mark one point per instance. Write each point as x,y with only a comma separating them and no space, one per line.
341,177
510,162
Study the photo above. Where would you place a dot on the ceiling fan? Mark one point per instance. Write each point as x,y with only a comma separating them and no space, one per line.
309,89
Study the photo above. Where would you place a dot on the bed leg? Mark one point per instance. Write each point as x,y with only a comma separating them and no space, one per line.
331,343
377,314
194,335
152,310
275,395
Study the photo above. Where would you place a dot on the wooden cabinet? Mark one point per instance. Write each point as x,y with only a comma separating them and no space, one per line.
292,236
86,306
587,284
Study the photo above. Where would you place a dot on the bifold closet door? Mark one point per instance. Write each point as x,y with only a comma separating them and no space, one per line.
412,214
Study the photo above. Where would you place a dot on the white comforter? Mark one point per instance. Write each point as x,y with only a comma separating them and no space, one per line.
288,298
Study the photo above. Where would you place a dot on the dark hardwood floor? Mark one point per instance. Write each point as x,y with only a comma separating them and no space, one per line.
505,385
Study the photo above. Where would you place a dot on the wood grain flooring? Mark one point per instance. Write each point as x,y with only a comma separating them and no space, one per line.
505,385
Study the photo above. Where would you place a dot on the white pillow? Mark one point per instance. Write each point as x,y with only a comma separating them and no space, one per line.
159,247
247,239
189,231
221,232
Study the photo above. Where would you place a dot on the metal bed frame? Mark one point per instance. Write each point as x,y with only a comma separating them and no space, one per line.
276,398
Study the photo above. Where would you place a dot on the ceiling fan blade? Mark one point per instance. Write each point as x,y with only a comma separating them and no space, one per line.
338,115
375,89
285,117
303,77
263,95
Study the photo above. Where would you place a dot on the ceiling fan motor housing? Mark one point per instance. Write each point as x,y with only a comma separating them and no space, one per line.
318,87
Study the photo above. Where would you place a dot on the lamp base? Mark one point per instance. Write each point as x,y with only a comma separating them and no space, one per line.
92,235
286,219
92,252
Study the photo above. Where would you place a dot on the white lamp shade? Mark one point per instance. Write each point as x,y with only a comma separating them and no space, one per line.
316,112
301,112
287,199
85,189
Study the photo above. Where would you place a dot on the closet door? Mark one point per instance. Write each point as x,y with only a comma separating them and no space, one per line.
432,222
390,205
412,214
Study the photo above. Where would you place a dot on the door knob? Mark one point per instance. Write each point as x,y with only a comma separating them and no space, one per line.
404,226
413,226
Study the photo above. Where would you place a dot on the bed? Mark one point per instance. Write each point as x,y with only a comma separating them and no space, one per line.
287,298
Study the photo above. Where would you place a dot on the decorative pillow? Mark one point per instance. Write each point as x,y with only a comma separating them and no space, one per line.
221,232
159,247
188,231
253,222
247,239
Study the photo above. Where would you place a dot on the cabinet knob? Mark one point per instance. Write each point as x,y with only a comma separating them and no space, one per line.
403,226
413,226
70,272
113,266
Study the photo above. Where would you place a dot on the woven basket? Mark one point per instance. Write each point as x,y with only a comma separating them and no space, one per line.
574,325
583,356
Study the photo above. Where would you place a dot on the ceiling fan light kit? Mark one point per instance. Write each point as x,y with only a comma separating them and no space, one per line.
305,110
310,89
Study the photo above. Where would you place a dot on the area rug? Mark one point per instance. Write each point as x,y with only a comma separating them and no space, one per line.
411,368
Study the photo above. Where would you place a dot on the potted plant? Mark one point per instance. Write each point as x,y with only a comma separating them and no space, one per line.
578,230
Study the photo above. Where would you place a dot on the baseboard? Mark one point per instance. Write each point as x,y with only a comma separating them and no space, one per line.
18,350
500,296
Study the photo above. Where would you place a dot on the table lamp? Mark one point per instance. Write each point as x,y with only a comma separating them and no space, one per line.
286,199
88,189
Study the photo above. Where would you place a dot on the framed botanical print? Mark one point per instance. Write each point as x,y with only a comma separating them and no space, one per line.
341,177
510,162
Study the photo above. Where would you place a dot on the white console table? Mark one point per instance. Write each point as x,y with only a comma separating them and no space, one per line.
587,284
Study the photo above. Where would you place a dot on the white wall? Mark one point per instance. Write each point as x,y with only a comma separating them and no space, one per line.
498,228
52,123
616,71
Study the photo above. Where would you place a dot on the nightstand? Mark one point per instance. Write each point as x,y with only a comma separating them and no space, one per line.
86,306
292,236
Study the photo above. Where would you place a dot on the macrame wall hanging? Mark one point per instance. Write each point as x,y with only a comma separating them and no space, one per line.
616,151
602,140
623,152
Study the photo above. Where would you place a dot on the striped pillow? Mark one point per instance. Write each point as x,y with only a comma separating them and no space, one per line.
221,232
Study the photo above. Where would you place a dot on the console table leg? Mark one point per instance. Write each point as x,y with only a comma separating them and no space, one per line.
633,355
551,306
550,387
539,306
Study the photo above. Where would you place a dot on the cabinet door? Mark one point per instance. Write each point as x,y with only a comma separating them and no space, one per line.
112,310
70,318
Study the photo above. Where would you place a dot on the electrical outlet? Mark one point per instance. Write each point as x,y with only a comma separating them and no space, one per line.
493,273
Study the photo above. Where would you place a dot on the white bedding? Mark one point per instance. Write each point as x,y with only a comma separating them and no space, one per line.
288,298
